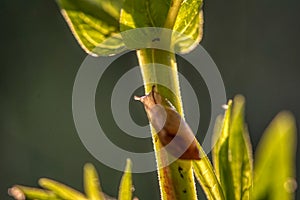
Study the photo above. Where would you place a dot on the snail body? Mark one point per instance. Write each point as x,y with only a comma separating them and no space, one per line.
173,132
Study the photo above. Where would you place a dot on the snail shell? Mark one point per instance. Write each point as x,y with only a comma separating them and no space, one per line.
173,132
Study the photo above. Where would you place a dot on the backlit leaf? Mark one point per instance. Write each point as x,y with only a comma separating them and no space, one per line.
232,154
274,167
20,192
95,24
61,190
91,183
188,26
125,191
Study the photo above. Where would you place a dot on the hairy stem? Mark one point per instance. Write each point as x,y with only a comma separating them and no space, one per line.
159,67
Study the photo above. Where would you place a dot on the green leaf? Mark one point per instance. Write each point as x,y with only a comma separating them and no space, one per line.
221,134
220,154
232,154
247,171
239,152
275,160
184,17
216,144
61,190
138,16
188,26
95,24
125,191
20,192
205,175
143,13
91,183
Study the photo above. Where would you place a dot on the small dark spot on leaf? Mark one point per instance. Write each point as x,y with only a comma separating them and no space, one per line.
184,191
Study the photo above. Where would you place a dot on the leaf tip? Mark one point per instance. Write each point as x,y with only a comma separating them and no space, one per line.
286,118
43,181
239,99
128,165
88,167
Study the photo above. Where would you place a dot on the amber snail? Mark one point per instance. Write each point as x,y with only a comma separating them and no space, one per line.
173,132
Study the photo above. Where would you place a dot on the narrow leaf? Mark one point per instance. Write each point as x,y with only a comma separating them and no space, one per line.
125,191
220,155
240,152
61,190
95,24
247,172
91,183
221,134
275,160
205,175
20,192
232,154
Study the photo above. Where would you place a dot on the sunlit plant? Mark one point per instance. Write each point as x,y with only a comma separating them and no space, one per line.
97,26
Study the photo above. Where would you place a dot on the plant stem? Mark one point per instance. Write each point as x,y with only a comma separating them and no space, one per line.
159,67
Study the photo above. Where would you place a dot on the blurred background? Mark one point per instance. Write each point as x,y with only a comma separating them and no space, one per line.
255,45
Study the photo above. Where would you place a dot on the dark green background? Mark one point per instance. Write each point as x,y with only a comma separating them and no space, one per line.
255,44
